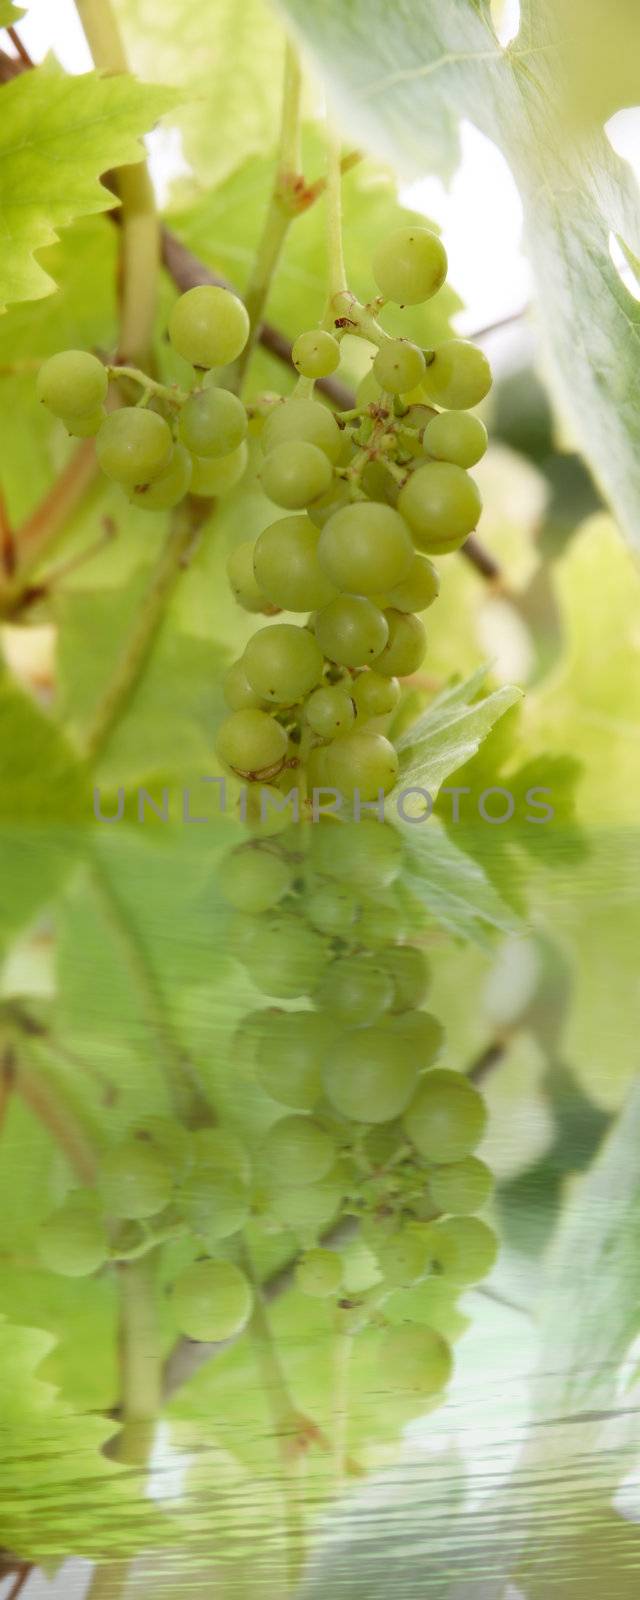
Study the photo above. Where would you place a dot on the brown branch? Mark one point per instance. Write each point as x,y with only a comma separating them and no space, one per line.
7,541
479,557
20,47
61,500
487,1060
10,67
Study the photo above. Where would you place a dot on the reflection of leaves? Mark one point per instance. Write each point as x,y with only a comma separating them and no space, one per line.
452,887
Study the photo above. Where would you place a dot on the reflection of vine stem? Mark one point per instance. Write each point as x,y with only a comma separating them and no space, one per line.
342,1351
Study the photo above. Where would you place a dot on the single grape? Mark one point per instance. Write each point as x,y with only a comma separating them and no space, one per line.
419,1358
409,972
447,1116
170,486
351,630
308,421
455,436
462,1186
215,475
219,1150
295,474
208,326
135,1180
290,1054
72,384
252,879
287,958
368,855
365,548
133,445
242,578
85,427
299,1150
424,1032
406,645
283,663
215,1204
211,1301
459,376
375,696
332,909
399,366
237,690
307,1210
354,989
212,422
315,354
410,265
252,744
465,1249
319,1273
363,763
418,590
73,1242
286,565
369,1075
330,711
403,1257
441,504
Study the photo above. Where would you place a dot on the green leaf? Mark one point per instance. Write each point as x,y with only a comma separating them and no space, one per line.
9,16
58,135
40,778
448,734
400,81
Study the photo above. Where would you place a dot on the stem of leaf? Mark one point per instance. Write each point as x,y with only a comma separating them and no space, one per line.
281,210
140,1364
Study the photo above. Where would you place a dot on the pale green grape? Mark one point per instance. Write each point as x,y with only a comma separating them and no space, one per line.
332,910
241,575
307,421
72,384
170,486
133,445
410,265
354,989
326,505
295,474
442,505
368,855
403,1256
365,548
85,427
409,971
424,1032
212,422
459,376
215,1204
209,326
315,354
211,1301
215,475
462,1186
286,959
253,879
73,1242
455,436
419,1359
363,763
297,1150
319,1273
465,1249
375,696
447,1116
221,1150
405,649
330,711
351,630
286,565
237,690
369,1075
290,1054
283,663
418,590
252,743
135,1180
379,484
399,366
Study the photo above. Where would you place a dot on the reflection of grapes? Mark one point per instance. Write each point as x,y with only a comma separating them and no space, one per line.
211,1300
446,1118
369,1075
419,1359
319,1273
73,1242
135,1180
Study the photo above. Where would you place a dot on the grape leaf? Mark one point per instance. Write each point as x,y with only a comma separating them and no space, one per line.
447,735
9,16
401,80
58,135
40,778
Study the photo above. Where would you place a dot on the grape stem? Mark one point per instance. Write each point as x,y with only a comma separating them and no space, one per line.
172,395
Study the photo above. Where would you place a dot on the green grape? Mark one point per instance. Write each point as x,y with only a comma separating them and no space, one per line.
405,649
170,486
375,696
85,427
308,421
354,989
212,422
382,921
351,630
298,1150
409,972
286,565
253,879
399,366
403,1257
308,1210
418,590
447,1116
330,711
218,1148
459,376
378,483
370,1074
319,1273
252,744
242,579
441,504
287,958
326,505
424,1032
215,475
367,855
72,384
455,436
215,1204
237,691
170,1138
283,663
410,265
465,1249
365,548
211,1301
73,1242
363,763
462,1186
289,1057
419,1358
315,354
208,326
294,475
133,445
135,1180
332,910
